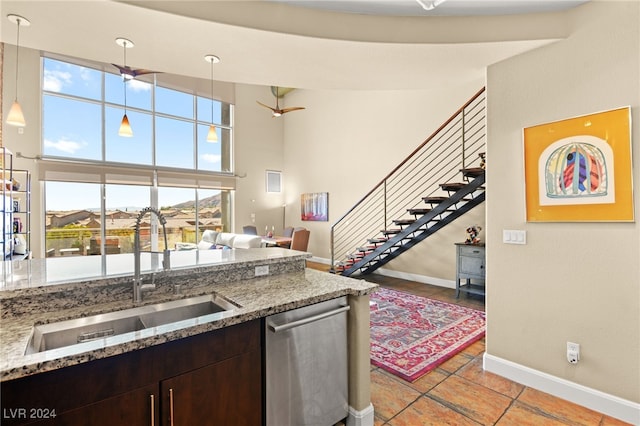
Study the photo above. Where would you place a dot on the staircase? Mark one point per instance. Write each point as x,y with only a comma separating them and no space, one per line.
437,183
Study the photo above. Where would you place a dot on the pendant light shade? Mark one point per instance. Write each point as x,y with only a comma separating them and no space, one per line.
16,117
125,128
212,136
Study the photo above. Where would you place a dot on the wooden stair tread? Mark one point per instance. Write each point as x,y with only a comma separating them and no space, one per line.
377,240
416,212
404,221
391,231
472,172
452,186
434,200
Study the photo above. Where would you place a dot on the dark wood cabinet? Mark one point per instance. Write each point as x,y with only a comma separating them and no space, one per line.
212,378
211,395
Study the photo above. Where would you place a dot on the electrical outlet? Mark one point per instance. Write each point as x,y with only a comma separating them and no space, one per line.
262,270
573,352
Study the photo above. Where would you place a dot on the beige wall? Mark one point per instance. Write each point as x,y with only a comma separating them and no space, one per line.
576,282
258,147
345,142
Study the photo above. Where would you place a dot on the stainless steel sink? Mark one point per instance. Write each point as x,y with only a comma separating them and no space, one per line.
167,313
72,332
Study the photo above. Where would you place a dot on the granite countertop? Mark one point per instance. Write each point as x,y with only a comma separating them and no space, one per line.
256,298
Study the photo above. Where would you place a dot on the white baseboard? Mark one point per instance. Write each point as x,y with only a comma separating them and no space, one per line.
601,402
417,278
361,418
402,275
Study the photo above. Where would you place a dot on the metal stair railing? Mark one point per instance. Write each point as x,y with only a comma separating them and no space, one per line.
455,145
441,215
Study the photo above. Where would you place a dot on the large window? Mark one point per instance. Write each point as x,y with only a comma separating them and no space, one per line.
96,181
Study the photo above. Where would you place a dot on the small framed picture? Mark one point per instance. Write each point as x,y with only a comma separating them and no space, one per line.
16,206
273,180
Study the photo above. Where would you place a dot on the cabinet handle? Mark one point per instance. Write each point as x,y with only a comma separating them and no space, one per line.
171,406
153,410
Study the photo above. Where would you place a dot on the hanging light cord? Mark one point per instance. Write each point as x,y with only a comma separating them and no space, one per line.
124,80
18,21
212,91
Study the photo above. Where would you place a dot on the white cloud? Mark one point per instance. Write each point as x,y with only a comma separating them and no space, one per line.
70,147
54,80
139,86
211,158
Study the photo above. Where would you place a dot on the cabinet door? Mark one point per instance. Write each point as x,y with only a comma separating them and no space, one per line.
226,393
136,408
472,266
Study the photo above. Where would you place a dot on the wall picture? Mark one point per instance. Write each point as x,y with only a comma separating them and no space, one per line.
315,206
579,169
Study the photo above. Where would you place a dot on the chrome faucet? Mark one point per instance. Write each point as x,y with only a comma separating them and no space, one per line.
138,287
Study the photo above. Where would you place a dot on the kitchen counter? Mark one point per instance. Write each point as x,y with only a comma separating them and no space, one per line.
37,300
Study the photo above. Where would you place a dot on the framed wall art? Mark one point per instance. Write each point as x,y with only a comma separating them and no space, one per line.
314,206
273,180
579,169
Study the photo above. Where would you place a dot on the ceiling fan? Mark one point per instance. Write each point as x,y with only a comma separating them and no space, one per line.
126,71
129,73
277,111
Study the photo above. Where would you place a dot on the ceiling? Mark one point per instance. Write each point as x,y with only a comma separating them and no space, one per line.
367,45
447,8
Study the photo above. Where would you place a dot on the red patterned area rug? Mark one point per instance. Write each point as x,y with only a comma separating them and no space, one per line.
412,335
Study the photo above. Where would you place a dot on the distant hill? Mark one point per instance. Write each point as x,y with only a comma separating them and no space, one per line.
209,202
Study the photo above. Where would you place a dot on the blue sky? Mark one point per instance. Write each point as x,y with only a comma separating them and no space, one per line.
73,127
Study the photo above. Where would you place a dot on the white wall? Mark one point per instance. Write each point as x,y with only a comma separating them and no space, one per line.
576,282
258,146
345,142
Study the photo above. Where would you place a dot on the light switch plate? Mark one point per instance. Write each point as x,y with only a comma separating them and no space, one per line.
514,236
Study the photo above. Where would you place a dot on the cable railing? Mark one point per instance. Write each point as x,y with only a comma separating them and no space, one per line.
455,145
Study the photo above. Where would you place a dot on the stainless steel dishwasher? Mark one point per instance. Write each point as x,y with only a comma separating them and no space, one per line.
306,365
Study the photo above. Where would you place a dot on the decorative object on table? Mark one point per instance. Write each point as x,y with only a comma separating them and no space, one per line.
472,234
412,335
19,245
314,206
270,233
579,169
17,225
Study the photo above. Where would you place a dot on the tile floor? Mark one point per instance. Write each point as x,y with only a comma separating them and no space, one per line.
459,392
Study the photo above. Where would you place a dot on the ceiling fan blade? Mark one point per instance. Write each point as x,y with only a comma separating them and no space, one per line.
284,110
266,106
133,73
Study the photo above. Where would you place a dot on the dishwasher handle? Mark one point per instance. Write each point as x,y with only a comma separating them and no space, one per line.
307,320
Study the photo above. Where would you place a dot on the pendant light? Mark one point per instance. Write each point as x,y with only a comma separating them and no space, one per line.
125,127
15,117
212,136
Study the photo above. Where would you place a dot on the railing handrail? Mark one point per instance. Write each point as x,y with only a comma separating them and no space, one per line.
413,153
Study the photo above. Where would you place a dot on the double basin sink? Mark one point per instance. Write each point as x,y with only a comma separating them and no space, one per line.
72,332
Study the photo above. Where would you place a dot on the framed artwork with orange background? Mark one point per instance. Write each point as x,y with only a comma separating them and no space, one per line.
579,169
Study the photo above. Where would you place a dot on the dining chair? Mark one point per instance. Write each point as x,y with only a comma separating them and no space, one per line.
300,240
287,232
250,230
